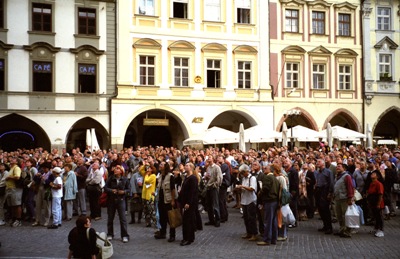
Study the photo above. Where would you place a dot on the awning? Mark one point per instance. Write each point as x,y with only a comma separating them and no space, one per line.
387,142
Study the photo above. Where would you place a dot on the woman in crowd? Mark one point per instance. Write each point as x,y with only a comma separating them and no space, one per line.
189,201
117,189
82,240
149,187
303,192
70,190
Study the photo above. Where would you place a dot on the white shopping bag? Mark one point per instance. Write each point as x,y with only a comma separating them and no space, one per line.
352,217
287,215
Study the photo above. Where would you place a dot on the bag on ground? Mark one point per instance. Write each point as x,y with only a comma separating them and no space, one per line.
352,217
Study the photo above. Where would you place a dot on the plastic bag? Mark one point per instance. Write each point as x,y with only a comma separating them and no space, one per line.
362,221
352,217
287,215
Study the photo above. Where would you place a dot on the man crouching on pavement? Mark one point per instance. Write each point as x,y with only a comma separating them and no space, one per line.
249,202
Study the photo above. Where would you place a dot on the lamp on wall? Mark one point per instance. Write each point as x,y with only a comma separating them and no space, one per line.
368,99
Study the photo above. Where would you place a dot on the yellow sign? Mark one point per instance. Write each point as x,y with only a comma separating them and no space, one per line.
155,122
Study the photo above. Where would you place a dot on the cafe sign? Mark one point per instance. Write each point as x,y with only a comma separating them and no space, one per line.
155,122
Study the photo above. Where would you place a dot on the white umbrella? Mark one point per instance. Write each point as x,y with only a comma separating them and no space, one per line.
89,139
242,144
369,136
95,144
329,136
284,135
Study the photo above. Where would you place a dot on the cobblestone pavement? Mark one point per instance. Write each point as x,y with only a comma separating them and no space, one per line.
224,242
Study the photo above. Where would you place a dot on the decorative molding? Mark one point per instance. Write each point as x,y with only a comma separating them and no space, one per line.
43,45
181,45
245,49
87,47
214,47
147,43
389,43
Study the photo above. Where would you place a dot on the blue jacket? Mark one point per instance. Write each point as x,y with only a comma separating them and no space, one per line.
70,186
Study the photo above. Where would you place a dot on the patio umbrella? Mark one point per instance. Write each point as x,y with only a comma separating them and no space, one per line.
95,144
329,136
242,144
284,135
369,136
89,139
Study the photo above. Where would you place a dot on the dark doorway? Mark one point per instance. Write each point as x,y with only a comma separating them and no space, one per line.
157,136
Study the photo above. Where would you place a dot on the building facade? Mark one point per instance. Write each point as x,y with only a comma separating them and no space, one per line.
57,72
316,63
381,35
185,66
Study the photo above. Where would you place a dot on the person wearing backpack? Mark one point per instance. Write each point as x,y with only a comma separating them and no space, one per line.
283,183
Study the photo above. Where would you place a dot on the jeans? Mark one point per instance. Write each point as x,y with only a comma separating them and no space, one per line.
30,203
270,222
114,205
249,217
213,205
56,210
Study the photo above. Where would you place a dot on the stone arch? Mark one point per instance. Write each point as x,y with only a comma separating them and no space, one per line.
353,122
76,136
251,121
383,119
17,131
305,116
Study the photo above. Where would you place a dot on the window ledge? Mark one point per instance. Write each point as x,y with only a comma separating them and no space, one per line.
345,37
3,30
181,19
384,30
244,24
147,15
319,90
86,36
293,32
208,21
317,34
147,86
42,33
181,87
346,90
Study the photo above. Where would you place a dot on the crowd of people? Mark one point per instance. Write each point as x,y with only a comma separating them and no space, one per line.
147,182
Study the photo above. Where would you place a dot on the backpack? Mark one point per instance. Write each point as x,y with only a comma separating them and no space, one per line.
20,183
285,196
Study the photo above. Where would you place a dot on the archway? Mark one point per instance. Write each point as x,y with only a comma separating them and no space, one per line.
230,120
344,119
76,136
388,125
156,128
20,132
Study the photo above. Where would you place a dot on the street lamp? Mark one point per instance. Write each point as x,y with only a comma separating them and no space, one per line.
291,114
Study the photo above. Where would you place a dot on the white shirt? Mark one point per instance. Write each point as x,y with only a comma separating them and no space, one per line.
57,193
249,196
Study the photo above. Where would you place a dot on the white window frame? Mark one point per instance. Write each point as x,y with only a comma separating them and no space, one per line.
243,73
146,7
179,80
385,66
318,76
291,74
342,30
212,10
383,20
318,25
289,20
243,7
147,66
345,77
186,11
213,67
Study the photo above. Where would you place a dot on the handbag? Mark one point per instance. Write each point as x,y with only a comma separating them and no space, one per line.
352,217
285,199
93,188
302,202
47,194
357,195
174,218
136,205
103,200
105,247
287,215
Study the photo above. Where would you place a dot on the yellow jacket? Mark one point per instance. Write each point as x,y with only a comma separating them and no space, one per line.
149,186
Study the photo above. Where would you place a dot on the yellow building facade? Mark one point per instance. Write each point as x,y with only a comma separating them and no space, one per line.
185,66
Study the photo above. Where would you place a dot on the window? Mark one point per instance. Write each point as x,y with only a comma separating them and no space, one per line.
2,14
212,10
213,73
344,77
318,22
87,21
147,70
292,20
244,74
181,70
243,11
319,76
344,25
383,18
87,78
292,75
146,7
180,8
41,17
42,76
2,75
385,66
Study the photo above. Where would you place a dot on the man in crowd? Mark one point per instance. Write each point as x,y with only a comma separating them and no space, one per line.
81,173
323,195
214,177
14,192
226,182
